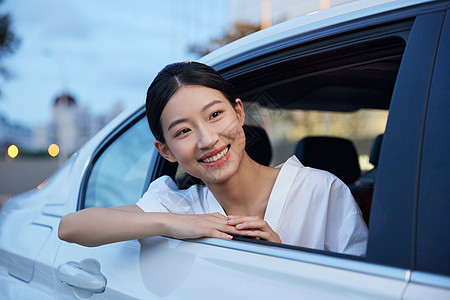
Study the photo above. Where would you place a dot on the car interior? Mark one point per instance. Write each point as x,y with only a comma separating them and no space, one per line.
335,85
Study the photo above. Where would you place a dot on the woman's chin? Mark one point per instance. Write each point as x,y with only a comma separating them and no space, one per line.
216,179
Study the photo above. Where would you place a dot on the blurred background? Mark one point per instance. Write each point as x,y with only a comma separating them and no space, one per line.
68,67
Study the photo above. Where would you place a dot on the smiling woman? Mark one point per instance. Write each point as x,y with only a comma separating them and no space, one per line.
205,138
198,123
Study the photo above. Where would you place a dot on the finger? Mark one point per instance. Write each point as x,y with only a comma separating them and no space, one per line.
221,235
229,229
208,229
240,219
255,234
259,234
222,231
217,219
253,224
271,237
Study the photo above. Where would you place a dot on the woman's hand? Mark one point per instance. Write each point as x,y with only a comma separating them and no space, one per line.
253,226
200,225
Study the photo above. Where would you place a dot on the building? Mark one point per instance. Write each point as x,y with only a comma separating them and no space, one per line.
71,126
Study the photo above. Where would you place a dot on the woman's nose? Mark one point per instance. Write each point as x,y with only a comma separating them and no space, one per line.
207,138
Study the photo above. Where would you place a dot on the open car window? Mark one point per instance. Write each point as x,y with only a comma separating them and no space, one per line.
120,167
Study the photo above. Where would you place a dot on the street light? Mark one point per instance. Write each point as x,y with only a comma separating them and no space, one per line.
13,151
53,150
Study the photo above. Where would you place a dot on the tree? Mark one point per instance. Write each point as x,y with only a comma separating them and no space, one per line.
8,41
238,30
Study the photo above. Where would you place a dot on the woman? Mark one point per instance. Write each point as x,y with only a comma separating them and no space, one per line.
197,121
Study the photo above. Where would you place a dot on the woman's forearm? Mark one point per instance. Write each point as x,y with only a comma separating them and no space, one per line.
97,226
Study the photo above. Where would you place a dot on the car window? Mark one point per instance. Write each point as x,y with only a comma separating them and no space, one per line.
119,173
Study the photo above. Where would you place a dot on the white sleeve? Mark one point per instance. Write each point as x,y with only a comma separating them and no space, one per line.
353,238
163,195
347,218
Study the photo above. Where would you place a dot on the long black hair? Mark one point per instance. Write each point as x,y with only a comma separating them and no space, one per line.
173,77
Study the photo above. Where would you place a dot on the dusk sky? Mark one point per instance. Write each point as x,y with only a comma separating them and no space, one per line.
101,52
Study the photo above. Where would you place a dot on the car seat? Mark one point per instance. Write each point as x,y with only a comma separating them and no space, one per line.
257,144
333,154
338,156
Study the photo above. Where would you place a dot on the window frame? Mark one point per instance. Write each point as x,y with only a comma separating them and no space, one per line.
432,250
394,207
107,141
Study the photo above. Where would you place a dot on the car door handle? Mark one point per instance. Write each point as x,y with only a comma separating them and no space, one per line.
83,276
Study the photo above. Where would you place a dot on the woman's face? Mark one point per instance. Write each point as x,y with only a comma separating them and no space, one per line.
203,132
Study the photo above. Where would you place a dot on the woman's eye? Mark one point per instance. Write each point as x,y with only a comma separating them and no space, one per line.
182,131
215,115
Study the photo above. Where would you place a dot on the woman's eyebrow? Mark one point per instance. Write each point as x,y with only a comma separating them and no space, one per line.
176,122
211,104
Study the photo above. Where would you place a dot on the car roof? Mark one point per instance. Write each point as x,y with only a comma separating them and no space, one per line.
305,24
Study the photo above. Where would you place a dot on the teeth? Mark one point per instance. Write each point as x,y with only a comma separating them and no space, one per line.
217,156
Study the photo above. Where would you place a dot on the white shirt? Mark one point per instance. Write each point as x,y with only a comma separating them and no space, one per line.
307,208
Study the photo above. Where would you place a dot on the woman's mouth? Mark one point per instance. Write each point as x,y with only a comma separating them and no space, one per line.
216,157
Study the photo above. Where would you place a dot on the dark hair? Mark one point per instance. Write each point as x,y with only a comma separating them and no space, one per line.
174,76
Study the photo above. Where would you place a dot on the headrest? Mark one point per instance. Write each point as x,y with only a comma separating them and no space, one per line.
257,144
332,154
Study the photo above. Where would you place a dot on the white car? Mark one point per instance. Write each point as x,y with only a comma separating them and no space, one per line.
367,72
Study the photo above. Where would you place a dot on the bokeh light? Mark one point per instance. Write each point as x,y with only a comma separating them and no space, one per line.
53,150
13,151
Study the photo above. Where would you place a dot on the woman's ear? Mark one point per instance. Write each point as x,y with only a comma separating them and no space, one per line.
239,108
164,151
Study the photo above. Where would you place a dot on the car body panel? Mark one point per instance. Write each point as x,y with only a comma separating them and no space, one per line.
176,269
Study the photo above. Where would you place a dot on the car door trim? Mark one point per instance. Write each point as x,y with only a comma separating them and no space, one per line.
312,256
430,279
